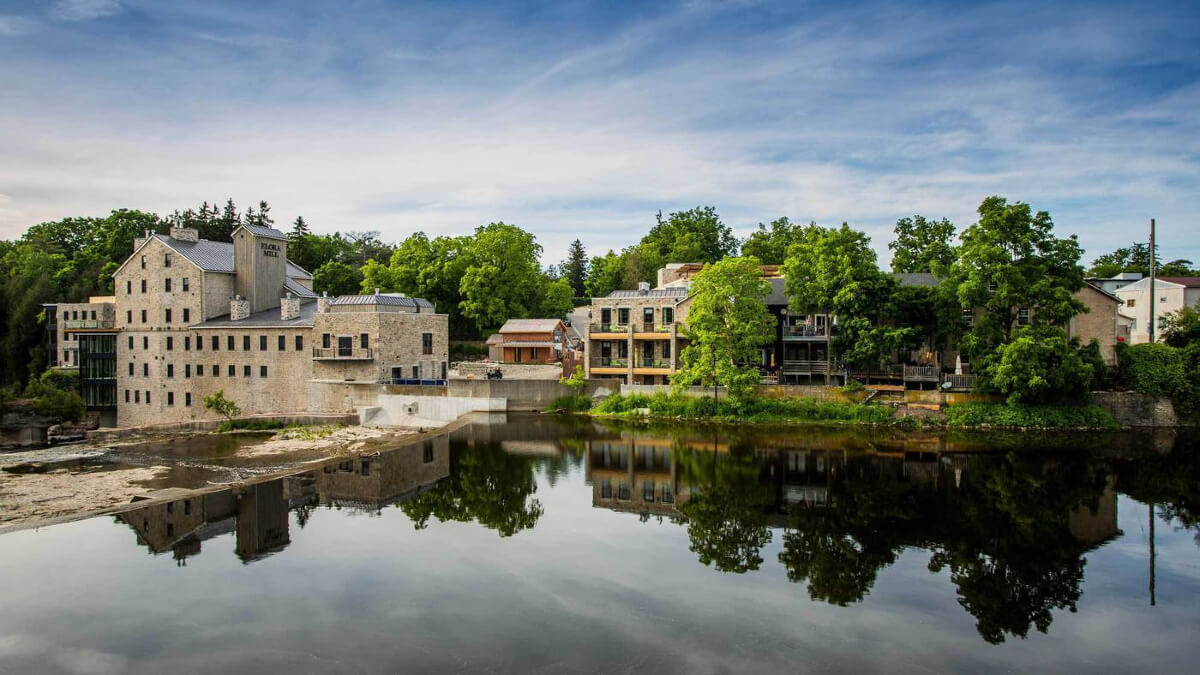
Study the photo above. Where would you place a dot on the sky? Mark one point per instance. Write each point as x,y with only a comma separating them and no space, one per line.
584,119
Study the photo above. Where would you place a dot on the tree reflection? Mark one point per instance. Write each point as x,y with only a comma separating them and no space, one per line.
726,510
1171,482
486,485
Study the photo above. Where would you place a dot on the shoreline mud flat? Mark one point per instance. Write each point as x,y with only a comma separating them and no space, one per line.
69,482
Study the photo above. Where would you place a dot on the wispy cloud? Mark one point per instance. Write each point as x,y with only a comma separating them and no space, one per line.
84,10
582,120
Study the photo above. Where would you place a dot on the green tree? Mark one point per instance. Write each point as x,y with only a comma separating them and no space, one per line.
728,323
430,269
299,228
1181,328
1040,364
575,268
695,235
922,245
502,278
834,270
336,278
605,275
222,406
1136,258
770,243
558,299
1014,273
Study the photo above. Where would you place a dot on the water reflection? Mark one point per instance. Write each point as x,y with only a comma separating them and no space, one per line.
1010,530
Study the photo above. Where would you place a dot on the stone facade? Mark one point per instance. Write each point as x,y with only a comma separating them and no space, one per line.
1098,323
98,314
635,336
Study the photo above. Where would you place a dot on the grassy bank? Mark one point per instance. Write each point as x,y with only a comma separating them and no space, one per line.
747,410
1003,415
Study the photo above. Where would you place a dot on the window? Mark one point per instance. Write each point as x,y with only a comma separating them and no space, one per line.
129,316
147,397
184,282
167,284
366,468
143,316
187,402
170,370
668,315
216,370
1022,317
145,370
623,316
1131,303
167,315
443,370
199,370
199,343
187,315
229,343
246,370
416,370
1163,299
325,340
647,491
75,314
427,452
143,263
130,366
187,343
667,349
170,343
216,343
127,396
143,285
166,260
623,490
232,370
131,342
363,341
968,316
262,371
668,495
245,343
281,343
426,343
606,489
145,342
137,396
262,343
187,503
170,398
187,370
93,313
128,287
299,343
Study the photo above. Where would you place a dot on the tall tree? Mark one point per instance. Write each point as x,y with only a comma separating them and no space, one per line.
770,243
695,235
727,323
557,300
922,245
502,279
605,274
574,268
299,228
336,278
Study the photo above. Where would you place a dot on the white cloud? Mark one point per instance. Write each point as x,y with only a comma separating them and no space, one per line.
84,10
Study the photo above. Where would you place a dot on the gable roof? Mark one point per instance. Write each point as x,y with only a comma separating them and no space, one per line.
213,256
530,325
259,231
1186,282
296,289
1144,283
669,292
1094,287
916,279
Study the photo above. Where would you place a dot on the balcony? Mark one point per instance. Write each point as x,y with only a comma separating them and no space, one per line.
921,374
608,364
802,331
342,354
651,327
797,366
89,324
960,382
653,366
608,329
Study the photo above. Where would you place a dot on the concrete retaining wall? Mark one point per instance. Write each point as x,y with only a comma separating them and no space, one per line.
405,410
1132,409
526,394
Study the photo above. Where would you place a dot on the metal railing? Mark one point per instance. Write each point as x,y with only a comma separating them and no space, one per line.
651,327
608,328
803,330
89,324
609,362
798,366
412,382
960,381
642,362
349,353
921,373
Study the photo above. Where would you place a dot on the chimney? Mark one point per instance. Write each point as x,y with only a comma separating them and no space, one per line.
289,308
239,308
184,233
323,303
643,287
376,291
138,241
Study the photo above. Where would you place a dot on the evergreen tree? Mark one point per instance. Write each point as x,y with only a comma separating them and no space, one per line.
299,228
574,269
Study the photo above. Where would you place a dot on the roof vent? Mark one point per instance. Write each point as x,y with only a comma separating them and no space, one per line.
643,287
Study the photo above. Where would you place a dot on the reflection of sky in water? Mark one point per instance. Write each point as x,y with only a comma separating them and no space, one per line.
586,589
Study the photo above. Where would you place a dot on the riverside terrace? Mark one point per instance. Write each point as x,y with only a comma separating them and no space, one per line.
191,317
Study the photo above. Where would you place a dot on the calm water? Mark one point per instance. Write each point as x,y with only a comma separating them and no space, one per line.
546,545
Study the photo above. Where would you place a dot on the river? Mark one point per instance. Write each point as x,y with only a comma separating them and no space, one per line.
546,544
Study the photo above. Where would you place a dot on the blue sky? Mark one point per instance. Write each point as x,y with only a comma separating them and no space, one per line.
577,119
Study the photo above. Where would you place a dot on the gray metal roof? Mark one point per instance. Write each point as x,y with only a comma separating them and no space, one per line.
529,325
269,232
267,318
669,292
217,256
392,299
916,279
296,289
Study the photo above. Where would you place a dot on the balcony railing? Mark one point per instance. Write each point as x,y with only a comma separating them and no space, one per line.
651,363
608,328
961,382
609,362
89,324
651,327
921,373
412,382
342,353
797,366
803,330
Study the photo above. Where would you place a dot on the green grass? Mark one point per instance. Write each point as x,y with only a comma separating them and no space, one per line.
747,410
571,404
251,425
1028,416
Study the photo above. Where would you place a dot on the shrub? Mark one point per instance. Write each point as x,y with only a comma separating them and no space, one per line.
752,409
1028,416
224,407
252,425
66,405
573,403
1155,369
853,386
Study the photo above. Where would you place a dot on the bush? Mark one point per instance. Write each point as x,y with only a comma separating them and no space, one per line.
56,394
752,409
252,425
573,403
1154,369
63,380
1028,416
853,387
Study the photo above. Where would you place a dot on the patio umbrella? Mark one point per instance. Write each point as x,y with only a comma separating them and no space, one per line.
958,365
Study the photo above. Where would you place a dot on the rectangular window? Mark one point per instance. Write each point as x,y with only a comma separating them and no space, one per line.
199,343
137,396
167,284
667,349
426,343
229,343
93,313
647,491
147,397
143,316
299,343
187,370
262,343
166,260
187,343
167,315
365,468
143,285
363,340
245,343
668,315
216,370
129,316
262,371
246,371
416,372
427,452
128,287
145,342
281,343
170,398
187,315
325,340
232,370
130,367
185,284
145,370
199,370
187,402
1131,303
143,262
623,316
216,343
170,343
130,342
127,396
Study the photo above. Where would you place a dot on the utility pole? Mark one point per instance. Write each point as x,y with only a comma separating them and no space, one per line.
1152,598
1150,328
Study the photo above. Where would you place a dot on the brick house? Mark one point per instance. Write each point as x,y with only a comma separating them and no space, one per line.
530,341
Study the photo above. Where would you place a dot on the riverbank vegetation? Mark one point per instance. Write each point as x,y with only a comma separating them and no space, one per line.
744,409
1025,416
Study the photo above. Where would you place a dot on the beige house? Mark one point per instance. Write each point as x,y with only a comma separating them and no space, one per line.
1171,295
635,336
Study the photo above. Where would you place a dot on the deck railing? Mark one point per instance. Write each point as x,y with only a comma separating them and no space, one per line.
609,362
921,373
89,324
347,353
642,362
963,382
803,330
797,366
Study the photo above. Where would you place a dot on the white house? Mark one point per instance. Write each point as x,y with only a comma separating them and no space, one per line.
1172,294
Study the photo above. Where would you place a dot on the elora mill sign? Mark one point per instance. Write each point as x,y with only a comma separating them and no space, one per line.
269,249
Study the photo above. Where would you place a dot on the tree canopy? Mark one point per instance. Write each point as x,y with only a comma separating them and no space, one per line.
769,243
922,245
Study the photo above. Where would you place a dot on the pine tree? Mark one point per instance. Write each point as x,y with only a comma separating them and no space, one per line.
574,269
264,215
299,228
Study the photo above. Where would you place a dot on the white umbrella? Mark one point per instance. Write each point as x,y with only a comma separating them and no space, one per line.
958,365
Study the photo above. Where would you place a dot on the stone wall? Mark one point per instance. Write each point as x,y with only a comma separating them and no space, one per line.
1132,409
526,394
1098,323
